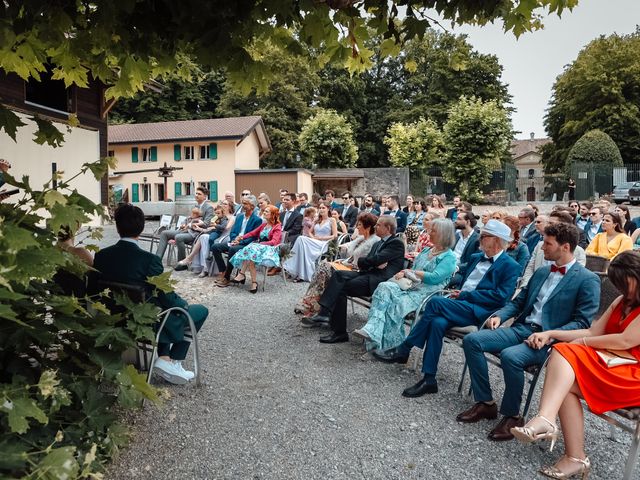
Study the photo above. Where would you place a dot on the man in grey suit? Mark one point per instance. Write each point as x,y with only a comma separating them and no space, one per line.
563,295
182,236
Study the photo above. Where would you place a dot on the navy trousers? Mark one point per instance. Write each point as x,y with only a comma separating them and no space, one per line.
440,314
179,349
515,356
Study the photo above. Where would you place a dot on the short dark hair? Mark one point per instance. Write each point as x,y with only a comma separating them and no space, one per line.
333,194
395,198
529,212
204,190
368,221
562,215
467,206
470,217
586,204
129,220
291,196
563,233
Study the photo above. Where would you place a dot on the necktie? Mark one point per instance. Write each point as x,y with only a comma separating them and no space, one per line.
486,259
561,270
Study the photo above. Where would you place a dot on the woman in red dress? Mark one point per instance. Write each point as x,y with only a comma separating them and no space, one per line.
575,371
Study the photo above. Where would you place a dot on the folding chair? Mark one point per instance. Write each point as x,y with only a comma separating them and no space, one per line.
153,237
264,268
171,251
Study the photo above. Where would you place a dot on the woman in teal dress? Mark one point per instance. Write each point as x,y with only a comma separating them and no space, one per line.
390,304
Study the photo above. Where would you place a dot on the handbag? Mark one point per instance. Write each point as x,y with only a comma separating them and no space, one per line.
404,283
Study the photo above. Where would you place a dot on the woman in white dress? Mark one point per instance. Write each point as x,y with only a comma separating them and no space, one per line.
306,250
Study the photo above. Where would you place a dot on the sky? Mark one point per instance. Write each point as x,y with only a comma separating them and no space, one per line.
532,62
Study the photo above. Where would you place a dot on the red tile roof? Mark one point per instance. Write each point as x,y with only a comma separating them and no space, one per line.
522,147
214,128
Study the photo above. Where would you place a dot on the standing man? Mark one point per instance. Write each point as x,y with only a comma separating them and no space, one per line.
182,236
593,225
126,262
487,285
560,296
393,209
349,212
452,213
385,259
528,232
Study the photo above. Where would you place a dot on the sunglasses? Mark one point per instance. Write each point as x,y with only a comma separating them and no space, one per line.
245,194
593,213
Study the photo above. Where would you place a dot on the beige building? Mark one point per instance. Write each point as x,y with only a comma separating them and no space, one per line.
530,172
209,152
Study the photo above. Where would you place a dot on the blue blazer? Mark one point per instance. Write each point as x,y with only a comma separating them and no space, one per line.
254,222
495,288
572,305
531,240
471,248
586,229
521,255
401,221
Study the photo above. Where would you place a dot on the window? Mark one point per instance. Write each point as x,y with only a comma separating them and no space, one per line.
189,153
186,187
160,192
111,153
49,94
146,192
532,173
209,152
145,155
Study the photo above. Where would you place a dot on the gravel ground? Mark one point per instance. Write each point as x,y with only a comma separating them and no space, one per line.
277,404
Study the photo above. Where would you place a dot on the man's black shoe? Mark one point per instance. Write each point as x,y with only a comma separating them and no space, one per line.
315,321
335,338
181,266
420,388
392,355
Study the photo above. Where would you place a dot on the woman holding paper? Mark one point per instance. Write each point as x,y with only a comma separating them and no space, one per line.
392,301
579,370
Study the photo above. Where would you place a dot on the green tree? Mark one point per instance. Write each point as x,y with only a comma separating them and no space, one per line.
595,146
178,100
476,136
417,145
125,44
599,90
326,140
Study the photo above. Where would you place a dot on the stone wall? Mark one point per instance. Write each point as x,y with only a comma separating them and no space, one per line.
377,181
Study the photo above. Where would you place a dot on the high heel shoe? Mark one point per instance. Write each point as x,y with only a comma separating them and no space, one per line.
254,289
527,434
584,468
239,279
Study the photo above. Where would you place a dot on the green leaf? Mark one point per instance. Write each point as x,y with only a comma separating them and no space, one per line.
48,383
18,410
47,133
16,238
60,463
102,166
13,454
163,282
66,215
9,122
52,197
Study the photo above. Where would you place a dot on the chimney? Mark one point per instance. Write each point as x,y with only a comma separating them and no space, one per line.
532,134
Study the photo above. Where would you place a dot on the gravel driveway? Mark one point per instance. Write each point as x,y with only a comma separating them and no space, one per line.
277,404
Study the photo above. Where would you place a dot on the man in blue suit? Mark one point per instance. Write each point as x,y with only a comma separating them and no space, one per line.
393,208
246,221
467,244
560,296
488,284
593,225
528,232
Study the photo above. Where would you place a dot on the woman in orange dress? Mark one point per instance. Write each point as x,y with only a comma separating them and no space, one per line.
575,371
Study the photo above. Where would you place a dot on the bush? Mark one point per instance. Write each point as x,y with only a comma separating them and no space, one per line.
62,377
595,146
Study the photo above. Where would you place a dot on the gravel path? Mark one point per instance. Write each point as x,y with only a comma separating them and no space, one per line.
277,404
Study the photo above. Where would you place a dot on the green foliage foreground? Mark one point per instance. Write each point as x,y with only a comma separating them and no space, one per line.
62,378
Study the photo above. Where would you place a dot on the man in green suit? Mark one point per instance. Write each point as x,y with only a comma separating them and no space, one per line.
126,262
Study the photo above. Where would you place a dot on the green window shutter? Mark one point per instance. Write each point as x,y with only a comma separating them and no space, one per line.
135,196
213,190
134,154
177,152
177,190
154,154
213,151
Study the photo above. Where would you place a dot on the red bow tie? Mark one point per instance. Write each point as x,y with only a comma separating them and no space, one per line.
560,270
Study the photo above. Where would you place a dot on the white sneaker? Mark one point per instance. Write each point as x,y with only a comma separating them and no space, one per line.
187,373
171,372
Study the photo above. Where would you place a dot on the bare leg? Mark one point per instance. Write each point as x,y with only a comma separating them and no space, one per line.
252,269
558,382
572,422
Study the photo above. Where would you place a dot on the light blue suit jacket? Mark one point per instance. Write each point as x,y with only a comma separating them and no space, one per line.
572,305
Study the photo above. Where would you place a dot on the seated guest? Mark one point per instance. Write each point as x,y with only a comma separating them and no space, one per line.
383,261
126,262
302,263
369,205
182,236
488,283
593,226
393,209
414,221
424,239
635,238
330,200
352,252
627,224
246,221
498,215
302,202
485,216
408,208
612,240
264,251
72,283
452,213
308,220
390,303
436,206
350,210
575,371
340,225
467,243
583,215
221,224
537,259
528,233
517,249
563,295
290,218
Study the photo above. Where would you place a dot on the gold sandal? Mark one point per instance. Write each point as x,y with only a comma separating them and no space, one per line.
555,472
527,435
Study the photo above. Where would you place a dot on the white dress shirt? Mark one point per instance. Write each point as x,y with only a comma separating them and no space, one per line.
460,244
478,273
545,292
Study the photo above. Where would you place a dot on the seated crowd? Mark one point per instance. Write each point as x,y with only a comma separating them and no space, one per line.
520,281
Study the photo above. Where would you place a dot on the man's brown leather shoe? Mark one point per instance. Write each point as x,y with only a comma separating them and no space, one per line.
479,411
501,432
273,271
